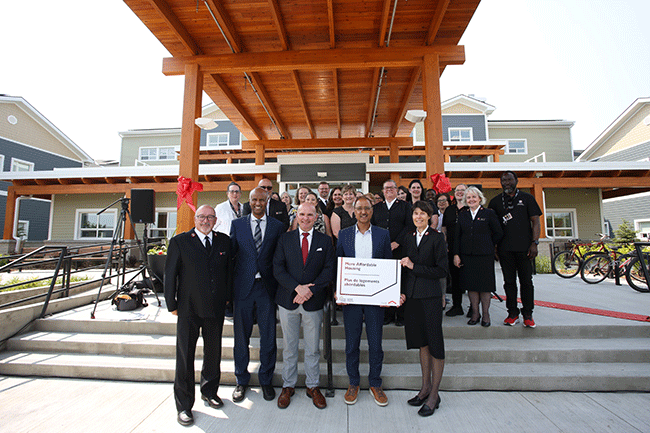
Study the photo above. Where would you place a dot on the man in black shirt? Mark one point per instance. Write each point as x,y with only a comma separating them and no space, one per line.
519,215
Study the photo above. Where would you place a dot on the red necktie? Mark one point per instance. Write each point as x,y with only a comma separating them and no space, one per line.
305,247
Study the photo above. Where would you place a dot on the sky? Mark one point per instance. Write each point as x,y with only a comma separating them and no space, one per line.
580,60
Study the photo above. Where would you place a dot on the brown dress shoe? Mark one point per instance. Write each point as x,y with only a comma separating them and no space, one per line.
285,397
378,394
351,394
317,397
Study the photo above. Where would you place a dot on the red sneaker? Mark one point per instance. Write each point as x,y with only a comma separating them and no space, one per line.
529,323
511,320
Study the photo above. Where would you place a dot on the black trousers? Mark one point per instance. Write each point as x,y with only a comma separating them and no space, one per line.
455,288
513,264
187,334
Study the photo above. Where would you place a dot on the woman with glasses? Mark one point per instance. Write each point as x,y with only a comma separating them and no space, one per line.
442,201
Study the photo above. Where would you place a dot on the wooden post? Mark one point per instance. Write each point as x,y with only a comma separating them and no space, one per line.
434,152
9,213
538,193
128,230
190,140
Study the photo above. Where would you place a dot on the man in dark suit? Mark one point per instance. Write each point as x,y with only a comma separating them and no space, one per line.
323,195
274,208
395,216
197,287
253,239
366,241
303,265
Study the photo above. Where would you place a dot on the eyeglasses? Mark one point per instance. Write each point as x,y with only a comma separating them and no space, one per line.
234,191
205,217
268,188
360,208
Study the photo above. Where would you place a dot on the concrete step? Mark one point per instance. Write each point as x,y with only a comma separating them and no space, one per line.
457,350
474,376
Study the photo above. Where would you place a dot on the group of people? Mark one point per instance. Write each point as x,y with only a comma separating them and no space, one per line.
267,255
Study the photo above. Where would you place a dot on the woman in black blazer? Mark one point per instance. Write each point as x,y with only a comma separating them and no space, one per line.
477,232
426,263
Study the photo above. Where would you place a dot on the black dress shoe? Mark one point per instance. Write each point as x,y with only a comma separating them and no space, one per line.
485,324
473,322
427,411
214,402
454,311
417,401
469,313
268,392
399,323
239,393
185,418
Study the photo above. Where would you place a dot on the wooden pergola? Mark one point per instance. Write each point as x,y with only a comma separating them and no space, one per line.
290,74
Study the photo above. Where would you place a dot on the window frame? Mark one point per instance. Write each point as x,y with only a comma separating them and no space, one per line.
637,228
29,164
218,134
157,153
507,149
460,134
25,223
154,226
2,163
574,223
78,228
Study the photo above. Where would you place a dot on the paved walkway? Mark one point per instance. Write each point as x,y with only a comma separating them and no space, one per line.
70,405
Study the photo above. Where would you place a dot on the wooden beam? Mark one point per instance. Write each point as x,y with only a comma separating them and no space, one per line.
433,122
176,26
10,209
415,76
279,24
303,103
246,117
190,140
385,13
439,14
328,143
538,192
330,20
340,58
259,154
226,25
266,100
394,152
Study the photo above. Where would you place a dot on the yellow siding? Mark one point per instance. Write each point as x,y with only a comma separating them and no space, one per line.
461,109
28,131
634,131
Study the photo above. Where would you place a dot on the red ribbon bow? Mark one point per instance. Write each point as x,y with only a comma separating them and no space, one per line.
184,191
440,183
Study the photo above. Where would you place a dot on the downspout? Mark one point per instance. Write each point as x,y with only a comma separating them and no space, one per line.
14,233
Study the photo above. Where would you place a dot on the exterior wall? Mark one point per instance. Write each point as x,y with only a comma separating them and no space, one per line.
630,208
476,122
29,131
586,202
556,142
634,131
633,153
461,109
131,147
37,212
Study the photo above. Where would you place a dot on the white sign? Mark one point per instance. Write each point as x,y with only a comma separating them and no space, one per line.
368,281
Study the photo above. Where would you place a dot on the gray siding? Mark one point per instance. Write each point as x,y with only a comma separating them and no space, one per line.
37,212
634,153
630,209
224,126
476,122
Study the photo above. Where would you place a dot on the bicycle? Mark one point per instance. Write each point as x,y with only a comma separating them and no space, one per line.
568,263
600,266
636,273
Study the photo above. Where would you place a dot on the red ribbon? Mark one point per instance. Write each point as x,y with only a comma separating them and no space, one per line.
440,183
184,191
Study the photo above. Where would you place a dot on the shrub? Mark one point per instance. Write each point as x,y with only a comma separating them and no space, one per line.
543,265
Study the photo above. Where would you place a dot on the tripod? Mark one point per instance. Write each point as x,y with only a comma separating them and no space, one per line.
118,237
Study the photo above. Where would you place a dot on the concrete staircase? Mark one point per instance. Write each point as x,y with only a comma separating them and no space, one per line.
550,358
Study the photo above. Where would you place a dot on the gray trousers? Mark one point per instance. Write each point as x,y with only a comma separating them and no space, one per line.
311,323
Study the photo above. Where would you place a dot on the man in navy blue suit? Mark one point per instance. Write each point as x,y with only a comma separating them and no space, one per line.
304,267
366,241
253,240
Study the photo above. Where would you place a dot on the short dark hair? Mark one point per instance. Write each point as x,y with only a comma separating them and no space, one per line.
323,183
418,182
231,184
423,206
510,172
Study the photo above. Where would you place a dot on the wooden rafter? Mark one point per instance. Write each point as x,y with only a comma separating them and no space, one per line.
415,76
328,143
303,103
279,24
371,103
221,84
226,25
438,16
266,100
176,26
337,107
385,13
330,20
362,58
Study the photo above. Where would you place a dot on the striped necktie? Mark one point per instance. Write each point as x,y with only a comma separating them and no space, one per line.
257,236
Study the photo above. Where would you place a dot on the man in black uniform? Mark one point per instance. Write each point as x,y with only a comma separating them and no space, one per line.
394,215
519,214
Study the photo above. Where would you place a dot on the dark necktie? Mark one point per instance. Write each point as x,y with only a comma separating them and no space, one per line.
257,236
208,247
305,248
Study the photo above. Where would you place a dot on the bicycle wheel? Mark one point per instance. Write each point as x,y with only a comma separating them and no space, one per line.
634,274
595,269
566,264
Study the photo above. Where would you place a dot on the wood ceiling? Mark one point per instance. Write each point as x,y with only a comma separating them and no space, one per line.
303,69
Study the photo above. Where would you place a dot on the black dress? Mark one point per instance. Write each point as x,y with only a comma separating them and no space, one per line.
346,219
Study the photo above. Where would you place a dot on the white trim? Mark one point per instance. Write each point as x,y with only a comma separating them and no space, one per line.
507,148
162,209
574,221
26,223
470,102
49,225
460,130
627,197
77,220
637,222
218,145
162,132
157,158
540,124
2,163
3,193
20,161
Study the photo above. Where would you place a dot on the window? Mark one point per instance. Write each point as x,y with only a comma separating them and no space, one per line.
20,165
642,227
157,153
607,230
560,223
460,134
2,163
165,224
93,226
217,139
517,146
22,231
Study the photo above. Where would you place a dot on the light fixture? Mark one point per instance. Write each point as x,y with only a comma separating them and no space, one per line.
205,123
415,116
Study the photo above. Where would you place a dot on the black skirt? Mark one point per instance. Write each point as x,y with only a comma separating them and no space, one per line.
423,325
477,273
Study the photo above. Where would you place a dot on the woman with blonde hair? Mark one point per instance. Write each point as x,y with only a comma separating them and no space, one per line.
343,216
322,223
